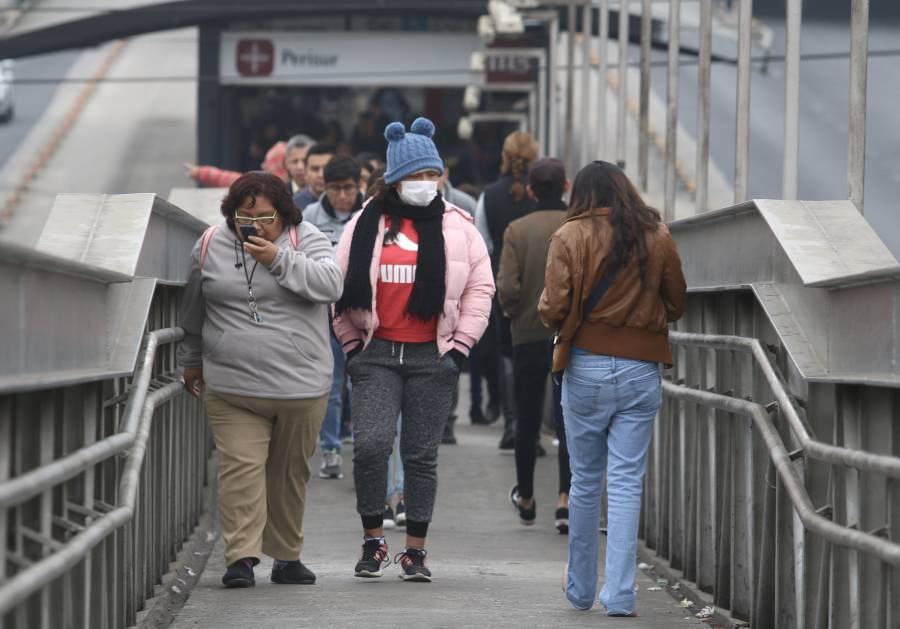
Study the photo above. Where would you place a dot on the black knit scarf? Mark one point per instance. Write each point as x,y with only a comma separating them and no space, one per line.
427,298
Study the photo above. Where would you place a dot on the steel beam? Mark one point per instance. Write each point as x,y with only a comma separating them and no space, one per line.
701,197
622,107
602,63
644,114
569,124
163,16
584,143
742,133
672,107
789,178
859,55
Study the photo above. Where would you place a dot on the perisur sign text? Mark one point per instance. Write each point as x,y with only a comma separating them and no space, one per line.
347,58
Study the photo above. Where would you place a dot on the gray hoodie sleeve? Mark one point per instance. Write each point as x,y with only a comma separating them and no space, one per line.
310,272
192,316
481,224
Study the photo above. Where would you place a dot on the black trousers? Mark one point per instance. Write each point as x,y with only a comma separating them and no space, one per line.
531,366
483,364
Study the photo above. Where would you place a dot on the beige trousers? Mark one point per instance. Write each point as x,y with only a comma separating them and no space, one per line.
264,450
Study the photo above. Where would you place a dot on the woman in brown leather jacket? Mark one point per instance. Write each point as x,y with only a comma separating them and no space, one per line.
613,282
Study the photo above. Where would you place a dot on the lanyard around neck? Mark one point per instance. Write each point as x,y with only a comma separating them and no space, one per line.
251,299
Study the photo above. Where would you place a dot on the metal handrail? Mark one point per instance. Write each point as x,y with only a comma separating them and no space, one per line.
840,535
19,489
136,424
837,455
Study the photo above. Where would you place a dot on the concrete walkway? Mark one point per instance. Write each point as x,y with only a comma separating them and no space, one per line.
489,570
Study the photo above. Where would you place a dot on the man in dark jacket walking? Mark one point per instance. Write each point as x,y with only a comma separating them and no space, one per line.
520,282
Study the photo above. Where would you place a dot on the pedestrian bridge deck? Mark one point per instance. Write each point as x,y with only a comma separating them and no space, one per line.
489,570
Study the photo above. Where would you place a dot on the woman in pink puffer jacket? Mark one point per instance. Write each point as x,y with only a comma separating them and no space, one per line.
417,296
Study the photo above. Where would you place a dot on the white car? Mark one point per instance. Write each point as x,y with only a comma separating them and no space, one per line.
7,109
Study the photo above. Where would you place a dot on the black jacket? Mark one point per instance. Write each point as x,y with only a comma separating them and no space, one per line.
500,209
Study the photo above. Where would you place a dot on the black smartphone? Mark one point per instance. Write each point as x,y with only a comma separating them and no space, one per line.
247,231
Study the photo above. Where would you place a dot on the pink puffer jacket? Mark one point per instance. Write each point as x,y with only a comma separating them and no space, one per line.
469,282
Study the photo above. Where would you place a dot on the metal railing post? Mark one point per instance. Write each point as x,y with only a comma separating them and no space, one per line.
856,148
644,115
602,47
742,135
701,196
622,108
584,145
793,17
568,148
552,88
672,106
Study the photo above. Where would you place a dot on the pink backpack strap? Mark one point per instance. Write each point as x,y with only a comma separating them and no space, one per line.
204,243
295,237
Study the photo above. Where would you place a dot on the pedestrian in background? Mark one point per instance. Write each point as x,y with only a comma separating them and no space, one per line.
369,164
316,158
255,316
213,177
417,294
520,281
295,161
501,203
613,282
330,215
455,196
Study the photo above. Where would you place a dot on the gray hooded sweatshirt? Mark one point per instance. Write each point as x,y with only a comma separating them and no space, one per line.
287,355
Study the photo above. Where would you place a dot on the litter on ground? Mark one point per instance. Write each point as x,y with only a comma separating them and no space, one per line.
707,612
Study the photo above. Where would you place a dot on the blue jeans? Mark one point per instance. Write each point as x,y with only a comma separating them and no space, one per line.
330,433
609,405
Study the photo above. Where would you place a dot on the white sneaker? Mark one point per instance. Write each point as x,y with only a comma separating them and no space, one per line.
331,465
388,522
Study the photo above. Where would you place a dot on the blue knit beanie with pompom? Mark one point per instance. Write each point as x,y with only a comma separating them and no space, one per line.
409,153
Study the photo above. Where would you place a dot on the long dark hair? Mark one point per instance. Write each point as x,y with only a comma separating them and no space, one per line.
377,188
601,184
379,191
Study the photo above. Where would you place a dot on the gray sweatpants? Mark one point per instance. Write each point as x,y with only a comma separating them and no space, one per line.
389,379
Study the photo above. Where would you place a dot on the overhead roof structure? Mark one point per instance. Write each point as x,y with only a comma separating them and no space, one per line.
90,30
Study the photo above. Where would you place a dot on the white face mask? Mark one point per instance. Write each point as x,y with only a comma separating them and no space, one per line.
419,193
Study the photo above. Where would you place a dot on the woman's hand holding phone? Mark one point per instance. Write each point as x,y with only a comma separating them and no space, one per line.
261,249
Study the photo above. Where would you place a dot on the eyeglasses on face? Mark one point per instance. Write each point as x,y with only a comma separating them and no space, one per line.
346,188
249,220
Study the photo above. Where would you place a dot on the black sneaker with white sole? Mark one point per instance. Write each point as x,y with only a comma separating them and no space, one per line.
526,515
374,557
562,520
412,565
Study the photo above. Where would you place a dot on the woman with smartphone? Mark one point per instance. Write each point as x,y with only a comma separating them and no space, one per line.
417,295
256,346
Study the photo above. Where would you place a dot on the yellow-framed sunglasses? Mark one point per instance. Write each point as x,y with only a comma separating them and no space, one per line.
249,220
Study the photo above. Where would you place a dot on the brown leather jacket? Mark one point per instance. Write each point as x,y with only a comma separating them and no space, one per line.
631,321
